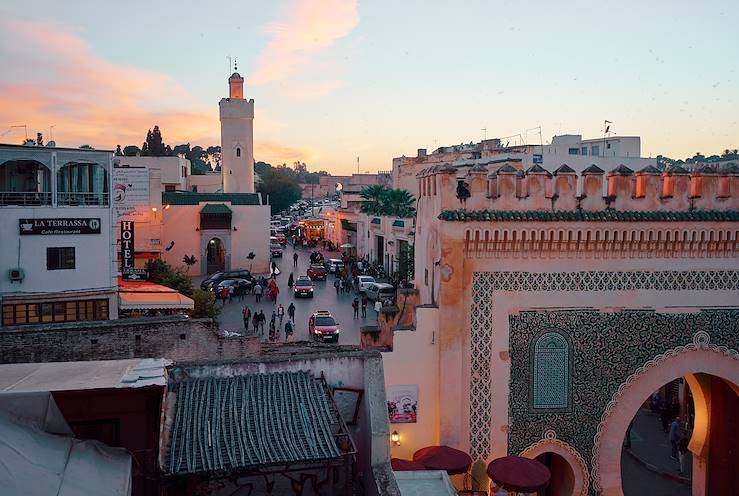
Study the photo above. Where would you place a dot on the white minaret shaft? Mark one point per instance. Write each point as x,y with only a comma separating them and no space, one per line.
237,138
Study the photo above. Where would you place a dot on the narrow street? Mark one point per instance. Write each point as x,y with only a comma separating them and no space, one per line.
325,298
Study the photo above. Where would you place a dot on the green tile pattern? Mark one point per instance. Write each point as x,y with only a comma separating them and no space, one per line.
485,283
551,378
252,421
587,216
189,198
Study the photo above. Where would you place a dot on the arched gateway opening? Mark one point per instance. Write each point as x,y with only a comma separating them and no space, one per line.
215,256
712,374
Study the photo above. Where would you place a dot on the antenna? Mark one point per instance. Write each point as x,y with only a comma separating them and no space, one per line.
357,165
485,135
228,57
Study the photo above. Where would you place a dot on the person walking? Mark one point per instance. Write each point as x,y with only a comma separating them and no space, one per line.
378,307
675,435
273,318
291,311
280,313
224,294
275,293
231,290
255,322
290,281
246,314
682,451
288,331
337,286
258,292
273,272
262,320
364,306
272,330
355,307
295,259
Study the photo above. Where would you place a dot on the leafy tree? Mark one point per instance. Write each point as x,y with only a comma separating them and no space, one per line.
400,203
29,141
145,149
118,151
154,144
282,188
86,147
131,151
373,198
162,273
204,305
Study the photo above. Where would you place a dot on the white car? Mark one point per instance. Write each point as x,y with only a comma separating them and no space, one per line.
334,265
364,282
380,291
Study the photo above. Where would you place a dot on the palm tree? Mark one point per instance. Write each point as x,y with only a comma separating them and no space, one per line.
400,203
373,199
189,260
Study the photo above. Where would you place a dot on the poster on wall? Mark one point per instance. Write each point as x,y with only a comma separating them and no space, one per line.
130,192
402,403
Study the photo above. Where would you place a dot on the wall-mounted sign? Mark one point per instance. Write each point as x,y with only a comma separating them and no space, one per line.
59,226
127,251
130,192
402,403
538,158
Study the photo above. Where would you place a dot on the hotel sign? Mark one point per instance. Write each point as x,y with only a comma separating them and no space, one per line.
59,226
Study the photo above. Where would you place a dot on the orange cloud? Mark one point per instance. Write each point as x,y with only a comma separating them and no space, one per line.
307,27
58,79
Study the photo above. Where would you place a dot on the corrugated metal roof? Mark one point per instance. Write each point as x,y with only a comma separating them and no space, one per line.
252,421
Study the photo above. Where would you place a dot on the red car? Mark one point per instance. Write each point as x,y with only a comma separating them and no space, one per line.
303,287
317,271
323,327
281,238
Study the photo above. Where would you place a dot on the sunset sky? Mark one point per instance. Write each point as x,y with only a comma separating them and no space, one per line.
333,80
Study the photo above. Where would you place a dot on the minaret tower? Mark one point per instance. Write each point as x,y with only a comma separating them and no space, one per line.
237,138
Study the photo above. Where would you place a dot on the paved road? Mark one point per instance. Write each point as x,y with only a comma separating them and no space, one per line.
325,298
639,481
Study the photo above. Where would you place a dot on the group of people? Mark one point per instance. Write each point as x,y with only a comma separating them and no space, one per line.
669,416
258,321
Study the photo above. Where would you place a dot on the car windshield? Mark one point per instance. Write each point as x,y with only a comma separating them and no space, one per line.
304,282
317,267
325,321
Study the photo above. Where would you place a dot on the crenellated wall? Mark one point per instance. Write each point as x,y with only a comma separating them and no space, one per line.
622,189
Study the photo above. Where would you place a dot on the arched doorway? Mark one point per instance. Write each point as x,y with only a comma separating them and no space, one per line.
25,182
562,482
712,374
215,256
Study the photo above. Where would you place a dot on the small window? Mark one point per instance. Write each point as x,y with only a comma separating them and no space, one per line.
238,152
170,187
573,151
551,372
60,258
584,150
608,146
595,150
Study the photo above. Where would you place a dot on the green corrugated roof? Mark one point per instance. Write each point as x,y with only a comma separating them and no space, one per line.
376,220
250,421
215,208
188,198
583,215
398,223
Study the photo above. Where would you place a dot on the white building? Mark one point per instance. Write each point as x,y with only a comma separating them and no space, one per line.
237,138
57,238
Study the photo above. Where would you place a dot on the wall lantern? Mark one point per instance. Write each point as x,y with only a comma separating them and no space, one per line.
235,228
167,206
395,438
197,228
153,209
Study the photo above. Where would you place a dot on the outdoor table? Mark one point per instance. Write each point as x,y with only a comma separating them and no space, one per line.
453,461
516,473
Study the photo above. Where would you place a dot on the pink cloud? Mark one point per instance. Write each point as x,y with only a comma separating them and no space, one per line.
58,79
305,29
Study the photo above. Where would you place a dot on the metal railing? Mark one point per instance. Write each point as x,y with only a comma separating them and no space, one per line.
25,198
82,199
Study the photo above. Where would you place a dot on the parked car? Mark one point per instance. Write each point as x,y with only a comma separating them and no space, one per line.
303,287
241,286
334,265
323,327
217,277
363,282
278,237
380,291
275,249
317,271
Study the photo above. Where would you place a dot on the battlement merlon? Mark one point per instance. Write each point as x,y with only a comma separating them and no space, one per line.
647,190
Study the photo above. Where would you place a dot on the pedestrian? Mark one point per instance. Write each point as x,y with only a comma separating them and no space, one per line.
664,416
290,281
255,322
295,259
273,318
262,320
341,285
272,330
675,435
275,293
364,306
682,451
291,311
258,292
355,307
378,307
337,286
280,313
288,331
231,291
224,294
274,269
246,314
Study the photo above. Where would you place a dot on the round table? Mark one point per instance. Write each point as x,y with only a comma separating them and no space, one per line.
516,473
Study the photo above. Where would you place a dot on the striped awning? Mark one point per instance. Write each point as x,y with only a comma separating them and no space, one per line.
252,421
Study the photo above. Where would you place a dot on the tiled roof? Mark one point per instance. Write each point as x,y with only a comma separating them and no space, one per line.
215,208
188,198
564,169
506,169
583,215
592,169
252,421
650,169
622,170
537,169
376,220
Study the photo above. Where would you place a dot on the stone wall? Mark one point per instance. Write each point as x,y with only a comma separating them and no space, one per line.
176,338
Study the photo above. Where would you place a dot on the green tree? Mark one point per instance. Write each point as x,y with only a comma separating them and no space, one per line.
373,199
282,188
189,260
155,144
204,305
86,147
399,202
162,273
131,151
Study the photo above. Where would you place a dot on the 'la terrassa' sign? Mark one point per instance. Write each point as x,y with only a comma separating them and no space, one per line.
59,226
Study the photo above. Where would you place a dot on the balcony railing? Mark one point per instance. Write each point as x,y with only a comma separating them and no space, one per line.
82,199
30,199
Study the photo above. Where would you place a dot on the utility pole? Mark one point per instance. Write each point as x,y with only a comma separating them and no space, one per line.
357,165
485,133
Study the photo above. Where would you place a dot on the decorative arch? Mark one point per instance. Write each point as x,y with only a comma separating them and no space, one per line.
700,356
550,444
551,372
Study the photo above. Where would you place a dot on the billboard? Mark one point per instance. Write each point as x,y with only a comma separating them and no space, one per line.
130,192
402,403
76,225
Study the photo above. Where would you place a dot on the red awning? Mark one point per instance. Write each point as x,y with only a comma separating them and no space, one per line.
516,473
401,465
446,458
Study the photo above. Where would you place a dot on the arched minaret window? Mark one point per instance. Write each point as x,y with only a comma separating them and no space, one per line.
238,152
551,377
